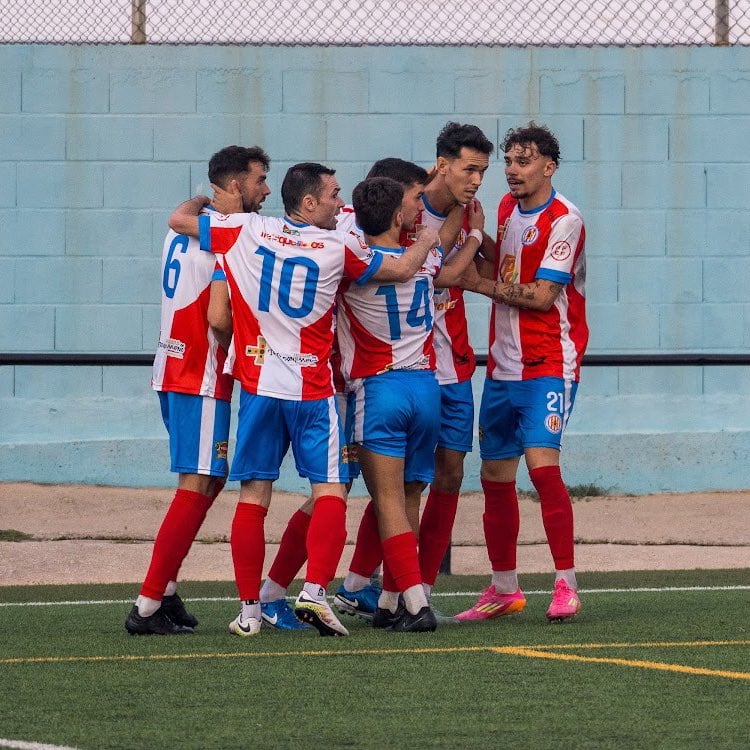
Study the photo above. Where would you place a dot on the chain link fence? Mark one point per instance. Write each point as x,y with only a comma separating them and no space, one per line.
377,22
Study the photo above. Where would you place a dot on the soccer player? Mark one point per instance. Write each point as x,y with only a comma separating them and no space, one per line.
283,274
385,336
194,395
463,154
538,335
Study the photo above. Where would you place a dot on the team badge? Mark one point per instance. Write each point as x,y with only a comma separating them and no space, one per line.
530,235
553,423
560,250
222,449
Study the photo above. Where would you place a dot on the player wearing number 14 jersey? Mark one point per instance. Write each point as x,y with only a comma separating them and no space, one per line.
282,276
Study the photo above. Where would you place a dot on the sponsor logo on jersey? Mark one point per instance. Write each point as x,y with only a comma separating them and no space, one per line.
529,235
560,250
281,239
502,230
262,350
553,423
222,449
174,348
289,230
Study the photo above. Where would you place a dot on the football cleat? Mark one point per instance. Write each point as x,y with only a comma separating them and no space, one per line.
244,628
493,603
362,602
155,624
318,614
174,608
278,614
565,603
423,621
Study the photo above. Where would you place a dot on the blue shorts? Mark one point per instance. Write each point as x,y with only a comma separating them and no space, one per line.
398,414
457,416
345,403
519,414
198,428
266,427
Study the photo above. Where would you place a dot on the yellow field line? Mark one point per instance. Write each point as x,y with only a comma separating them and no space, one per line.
538,652
683,668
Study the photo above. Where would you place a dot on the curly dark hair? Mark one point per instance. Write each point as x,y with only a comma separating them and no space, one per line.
539,135
232,161
375,201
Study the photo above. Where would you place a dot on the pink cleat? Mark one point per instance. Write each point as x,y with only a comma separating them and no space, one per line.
565,603
492,603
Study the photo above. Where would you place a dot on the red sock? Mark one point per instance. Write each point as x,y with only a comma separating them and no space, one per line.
501,523
176,533
557,514
248,542
368,552
326,538
400,552
292,551
435,531
389,582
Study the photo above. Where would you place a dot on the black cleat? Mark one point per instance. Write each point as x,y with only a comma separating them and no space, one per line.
384,618
422,622
156,624
174,608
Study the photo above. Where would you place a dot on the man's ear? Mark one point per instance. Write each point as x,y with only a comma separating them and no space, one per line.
309,202
550,168
234,186
398,219
441,165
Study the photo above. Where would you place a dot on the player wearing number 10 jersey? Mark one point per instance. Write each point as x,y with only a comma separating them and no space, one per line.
283,275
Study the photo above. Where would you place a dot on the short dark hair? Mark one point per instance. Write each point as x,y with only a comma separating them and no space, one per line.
231,161
539,135
454,136
375,201
300,180
405,172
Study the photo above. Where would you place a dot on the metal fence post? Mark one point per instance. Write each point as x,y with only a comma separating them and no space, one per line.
138,22
721,23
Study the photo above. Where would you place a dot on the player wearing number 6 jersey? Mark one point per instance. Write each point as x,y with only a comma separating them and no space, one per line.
194,395
386,340
538,335
283,274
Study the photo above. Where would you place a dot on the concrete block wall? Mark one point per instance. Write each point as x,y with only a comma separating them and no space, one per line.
99,143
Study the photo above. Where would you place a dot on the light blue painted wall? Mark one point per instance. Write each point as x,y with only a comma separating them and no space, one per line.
98,144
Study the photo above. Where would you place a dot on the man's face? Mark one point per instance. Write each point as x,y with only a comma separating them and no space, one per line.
463,175
411,205
327,203
253,187
529,174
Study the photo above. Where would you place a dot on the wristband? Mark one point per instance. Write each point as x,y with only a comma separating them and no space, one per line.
477,235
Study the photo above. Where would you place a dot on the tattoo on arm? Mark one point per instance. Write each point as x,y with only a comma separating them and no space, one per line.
524,295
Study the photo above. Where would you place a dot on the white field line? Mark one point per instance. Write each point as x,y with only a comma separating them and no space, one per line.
21,745
436,594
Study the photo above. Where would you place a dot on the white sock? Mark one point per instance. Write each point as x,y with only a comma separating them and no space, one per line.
355,582
414,598
271,591
146,606
315,591
427,590
388,600
171,589
250,608
505,581
569,576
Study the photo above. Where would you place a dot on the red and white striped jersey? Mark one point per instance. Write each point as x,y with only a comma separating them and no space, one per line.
283,279
545,243
188,356
389,326
455,361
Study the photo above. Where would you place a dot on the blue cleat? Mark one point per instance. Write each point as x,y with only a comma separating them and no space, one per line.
278,614
363,602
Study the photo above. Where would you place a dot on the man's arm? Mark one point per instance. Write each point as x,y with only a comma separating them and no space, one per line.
184,219
539,294
451,274
220,312
404,266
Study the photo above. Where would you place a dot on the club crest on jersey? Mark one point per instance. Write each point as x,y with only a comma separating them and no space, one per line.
560,250
222,449
174,348
508,269
553,423
529,235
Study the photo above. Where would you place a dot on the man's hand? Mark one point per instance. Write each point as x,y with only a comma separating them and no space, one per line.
428,235
227,201
475,215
